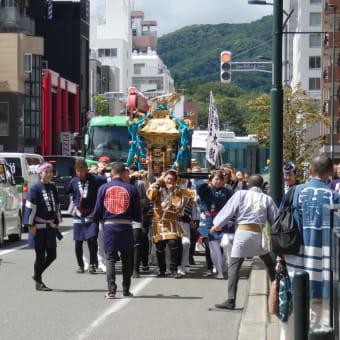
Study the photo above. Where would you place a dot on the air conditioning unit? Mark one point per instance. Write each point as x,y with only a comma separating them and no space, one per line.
28,63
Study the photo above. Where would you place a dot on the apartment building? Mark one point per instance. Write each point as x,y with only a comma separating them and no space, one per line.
149,74
329,41
306,48
288,40
111,39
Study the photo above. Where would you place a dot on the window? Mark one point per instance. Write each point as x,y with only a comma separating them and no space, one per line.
137,68
314,62
107,52
8,3
32,106
314,84
4,119
315,19
315,40
101,52
27,62
313,2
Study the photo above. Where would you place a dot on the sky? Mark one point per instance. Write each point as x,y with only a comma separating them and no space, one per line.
175,14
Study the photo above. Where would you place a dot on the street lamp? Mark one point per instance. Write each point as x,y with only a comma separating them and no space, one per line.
276,100
333,72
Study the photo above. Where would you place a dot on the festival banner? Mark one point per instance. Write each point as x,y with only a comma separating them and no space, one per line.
213,131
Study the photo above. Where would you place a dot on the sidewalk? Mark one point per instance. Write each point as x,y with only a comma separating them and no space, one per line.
256,322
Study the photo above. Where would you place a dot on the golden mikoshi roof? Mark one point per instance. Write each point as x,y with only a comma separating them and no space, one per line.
160,123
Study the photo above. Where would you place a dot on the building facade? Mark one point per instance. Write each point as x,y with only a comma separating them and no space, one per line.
111,39
143,37
60,112
20,92
306,48
288,40
329,41
66,36
149,74
20,78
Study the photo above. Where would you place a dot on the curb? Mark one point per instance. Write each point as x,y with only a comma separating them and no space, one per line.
254,317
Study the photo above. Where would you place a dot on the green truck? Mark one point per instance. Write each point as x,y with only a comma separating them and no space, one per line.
107,136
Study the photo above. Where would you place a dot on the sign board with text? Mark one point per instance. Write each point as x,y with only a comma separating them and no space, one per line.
66,142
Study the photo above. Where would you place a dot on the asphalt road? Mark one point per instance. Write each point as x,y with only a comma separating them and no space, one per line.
77,309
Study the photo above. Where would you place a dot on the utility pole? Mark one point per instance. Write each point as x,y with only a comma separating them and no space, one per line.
276,108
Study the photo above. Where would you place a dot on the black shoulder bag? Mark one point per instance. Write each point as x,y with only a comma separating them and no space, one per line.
285,235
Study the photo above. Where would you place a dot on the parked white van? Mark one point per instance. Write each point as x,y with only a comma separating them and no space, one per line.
10,205
24,165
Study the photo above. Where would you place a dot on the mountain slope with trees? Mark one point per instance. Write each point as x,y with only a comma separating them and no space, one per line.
193,52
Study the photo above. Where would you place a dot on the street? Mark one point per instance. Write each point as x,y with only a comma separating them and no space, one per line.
162,308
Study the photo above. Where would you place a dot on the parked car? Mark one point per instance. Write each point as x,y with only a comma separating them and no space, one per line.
10,205
23,165
63,171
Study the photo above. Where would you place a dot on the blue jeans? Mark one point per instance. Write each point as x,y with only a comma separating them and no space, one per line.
111,258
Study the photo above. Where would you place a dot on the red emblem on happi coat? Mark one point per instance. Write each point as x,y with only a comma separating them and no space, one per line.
116,200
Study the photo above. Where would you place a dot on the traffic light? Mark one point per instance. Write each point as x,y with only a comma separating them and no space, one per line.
225,66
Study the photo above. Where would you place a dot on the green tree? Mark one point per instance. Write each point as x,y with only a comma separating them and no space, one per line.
102,106
300,115
193,52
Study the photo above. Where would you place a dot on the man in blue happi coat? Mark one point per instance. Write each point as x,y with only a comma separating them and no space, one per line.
117,205
314,254
42,217
84,189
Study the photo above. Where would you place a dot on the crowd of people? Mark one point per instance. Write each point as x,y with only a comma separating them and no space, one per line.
120,210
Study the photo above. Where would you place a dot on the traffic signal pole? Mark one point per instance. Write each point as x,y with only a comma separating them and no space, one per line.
276,108
225,68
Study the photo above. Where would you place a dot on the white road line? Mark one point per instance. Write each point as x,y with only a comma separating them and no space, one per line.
8,251
117,306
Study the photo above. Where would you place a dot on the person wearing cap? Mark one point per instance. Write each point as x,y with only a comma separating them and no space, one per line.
104,166
42,217
117,206
289,176
84,189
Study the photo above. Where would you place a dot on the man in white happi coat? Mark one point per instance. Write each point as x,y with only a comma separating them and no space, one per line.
252,209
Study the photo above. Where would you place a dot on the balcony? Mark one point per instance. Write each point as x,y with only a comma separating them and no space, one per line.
327,107
149,23
149,33
148,72
327,75
144,42
137,14
328,42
